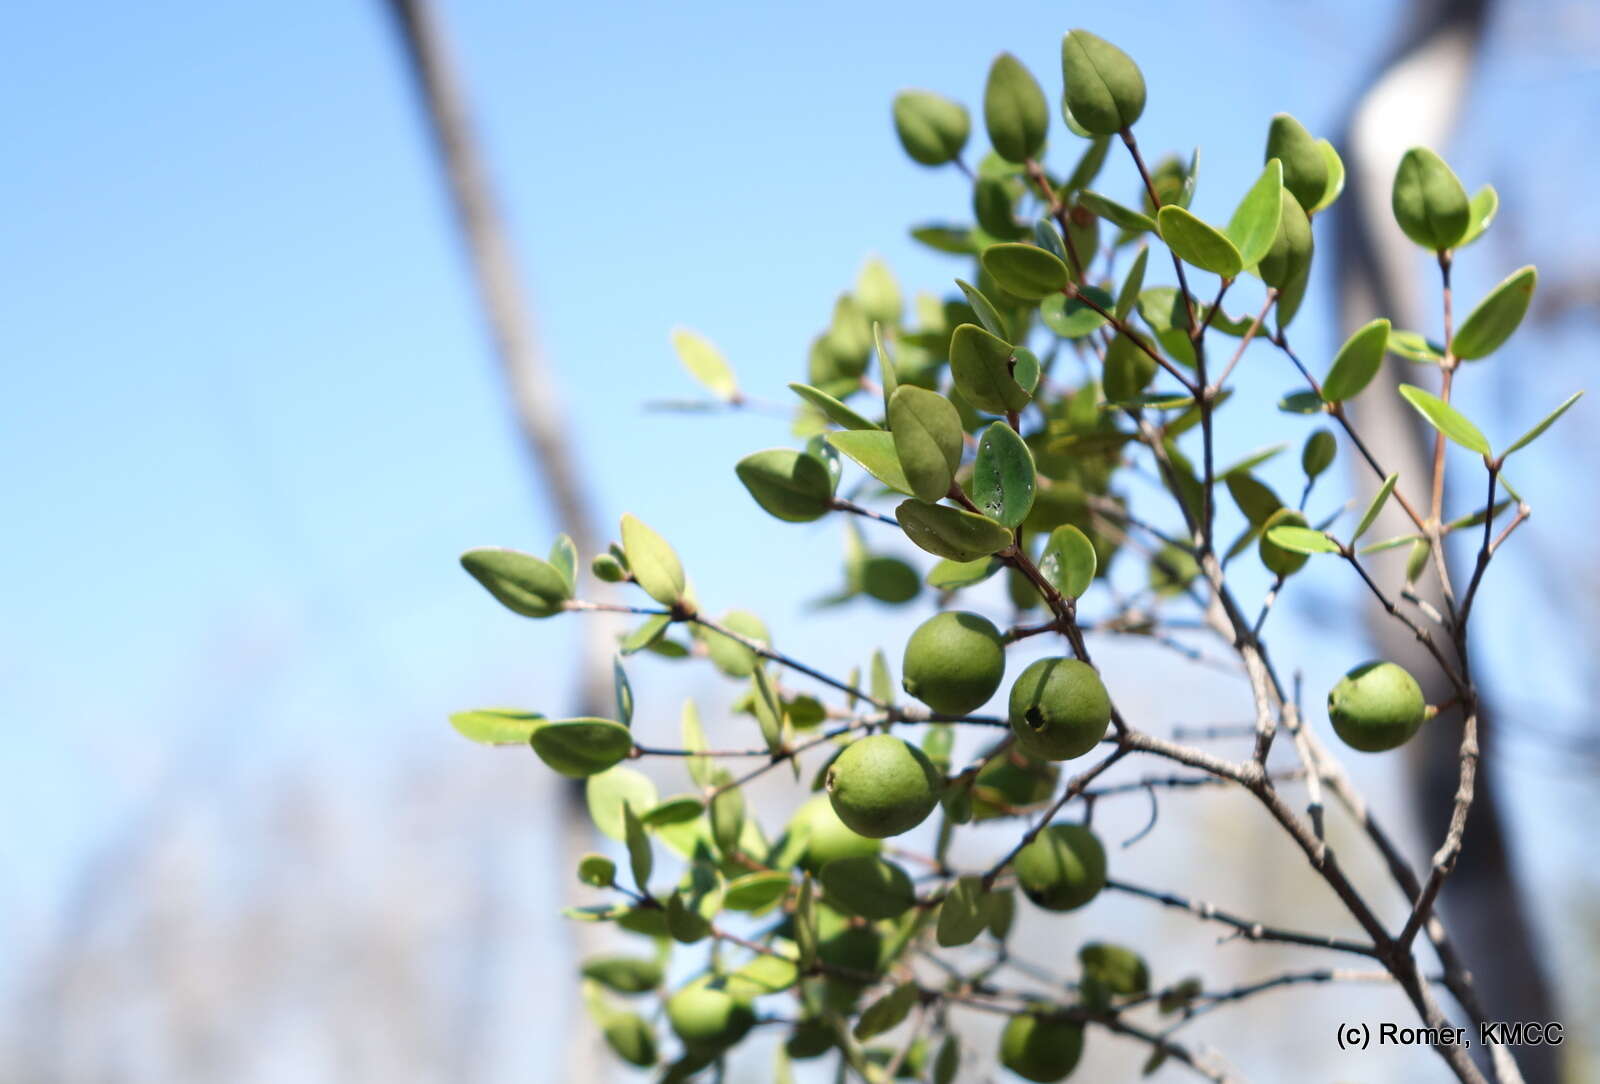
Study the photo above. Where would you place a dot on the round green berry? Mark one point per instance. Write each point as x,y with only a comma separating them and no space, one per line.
1059,709
1063,868
1376,707
880,786
1041,1048
954,662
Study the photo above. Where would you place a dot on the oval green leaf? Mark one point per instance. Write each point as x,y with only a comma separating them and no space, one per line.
1254,225
1115,213
1489,325
988,315
1025,271
1428,201
520,582
835,411
927,433
932,129
874,453
1197,243
497,726
1357,362
605,793
1003,476
654,563
1302,540
1305,169
1014,110
868,886
982,366
1069,561
705,363
951,532
1446,419
1104,89
578,748
792,486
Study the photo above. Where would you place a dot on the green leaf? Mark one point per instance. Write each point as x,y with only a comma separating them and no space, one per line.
727,815
1526,439
927,433
624,974
581,747
640,860
1128,368
932,129
1025,271
994,206
962,916
507,726
1483,205
729,655
805,923
888,1012
1288,261
564,559
948,1063
1115,213
519,581
988,315
948,575
705,363
1014,110
1129,294
763,975
835,411
1417,560
1089,165
678,809
885,369
648,632
874,453
878,294
1069,561
1253,460
1302,402
654,563
754,891
1374,507
1003,475
982,367
868,886
1489,325
605,793
951,532
624,692
1446,419
1073,318
768,709
1357,362
1413,346
955,240
1196,243
597,870
1302,540
1305,169
629,1036
1428,201
1254,225
1105,91
1255,499
792,486
1391,543
1335,186
1318,453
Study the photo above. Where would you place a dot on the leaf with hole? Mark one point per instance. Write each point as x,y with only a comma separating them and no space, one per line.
982,367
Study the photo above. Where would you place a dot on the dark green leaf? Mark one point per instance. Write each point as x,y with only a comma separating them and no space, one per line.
888,1012
1254,498
581,747
520,581
868,886
675,810
1357,362
1014,110
982,367
1025,271
629,1035
962,916
951,532
1489,325
1301,402
1317,455
1129,294
1289,258
792,486
1446,419
1128,368
927,439
1428,201
932,129
597,870
1105,91
640,860
505,726
988,315
1305,169
1197,243
1254,225
754,891
1088,167
1003,475
993,204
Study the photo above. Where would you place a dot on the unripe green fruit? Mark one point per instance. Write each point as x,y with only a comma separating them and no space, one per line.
1063,868
708,1019
828,837
881,787
1278,560
1011,780
954,662
1059,709
1376,707
1040,1048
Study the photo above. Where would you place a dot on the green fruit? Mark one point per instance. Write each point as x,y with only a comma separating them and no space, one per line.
1010,781
1041,1048
1376,707
708,1019
828,838
1119,969
1059,709
1063,868
880,786
954,662
1278,560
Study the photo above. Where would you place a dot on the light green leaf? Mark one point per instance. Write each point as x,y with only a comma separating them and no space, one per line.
1129,294
1069,561
1428,201
1391,543
951,532
640,860
1197,243
754,891
1357,362
873,452
1074,317
932,129
948,575
1025,271
1105,91
881,682
1115,213
1302,540
1489,325
564,559
792,486
982,366
1484,204
1413,346
504,726
1014,110
729,655
868,886
605,793
654,563
705,363
988,315
1305,169
1335,186
649,631
1446,419
1254,225
1003,475
1533,434
1374,507
927,433
581,747
763,975
519,581
835,411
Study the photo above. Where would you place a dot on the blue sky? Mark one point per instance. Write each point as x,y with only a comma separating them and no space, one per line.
249,419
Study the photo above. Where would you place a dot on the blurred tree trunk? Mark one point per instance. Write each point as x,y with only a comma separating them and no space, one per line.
1414,100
